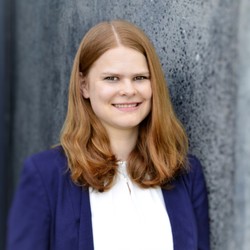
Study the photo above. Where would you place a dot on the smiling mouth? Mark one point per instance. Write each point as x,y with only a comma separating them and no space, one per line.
127,105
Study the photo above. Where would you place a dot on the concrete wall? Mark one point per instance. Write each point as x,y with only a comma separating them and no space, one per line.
199,49
2,125
6,175
242,177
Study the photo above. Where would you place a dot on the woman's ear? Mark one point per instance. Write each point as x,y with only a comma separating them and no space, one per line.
84,86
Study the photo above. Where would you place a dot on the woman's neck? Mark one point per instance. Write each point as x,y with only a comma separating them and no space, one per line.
123,142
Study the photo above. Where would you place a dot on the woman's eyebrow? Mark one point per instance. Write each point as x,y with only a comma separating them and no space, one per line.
110,73
135,73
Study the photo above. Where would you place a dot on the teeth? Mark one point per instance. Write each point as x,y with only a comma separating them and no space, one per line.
125,105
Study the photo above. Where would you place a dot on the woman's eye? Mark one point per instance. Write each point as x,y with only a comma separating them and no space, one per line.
140,78
111,78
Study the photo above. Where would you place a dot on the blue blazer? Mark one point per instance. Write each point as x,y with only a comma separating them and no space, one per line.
50,212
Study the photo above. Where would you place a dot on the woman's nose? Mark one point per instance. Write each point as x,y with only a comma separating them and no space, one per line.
128,88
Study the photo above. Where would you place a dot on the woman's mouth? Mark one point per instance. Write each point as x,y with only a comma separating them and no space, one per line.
126,106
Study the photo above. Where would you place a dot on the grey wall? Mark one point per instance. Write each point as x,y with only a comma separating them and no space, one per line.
242,177
6,174
2,125
200,43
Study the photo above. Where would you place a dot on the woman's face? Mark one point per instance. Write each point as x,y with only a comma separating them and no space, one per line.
119,89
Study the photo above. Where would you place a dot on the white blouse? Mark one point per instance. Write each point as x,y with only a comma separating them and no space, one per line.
128,217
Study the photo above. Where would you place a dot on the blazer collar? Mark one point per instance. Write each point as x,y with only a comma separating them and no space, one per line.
181,216
85,227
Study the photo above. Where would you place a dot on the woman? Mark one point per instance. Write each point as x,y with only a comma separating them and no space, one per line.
121,178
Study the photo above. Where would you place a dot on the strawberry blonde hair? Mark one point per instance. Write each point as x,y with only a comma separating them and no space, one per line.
161,149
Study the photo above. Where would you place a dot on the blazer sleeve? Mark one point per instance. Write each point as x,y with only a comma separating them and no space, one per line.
199,198
29,217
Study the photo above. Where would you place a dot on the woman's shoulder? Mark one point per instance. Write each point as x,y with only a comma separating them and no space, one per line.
47,162
194,165
49,154
193,177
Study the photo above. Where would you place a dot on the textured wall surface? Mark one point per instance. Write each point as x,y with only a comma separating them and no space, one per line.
242,178
2,127
198,47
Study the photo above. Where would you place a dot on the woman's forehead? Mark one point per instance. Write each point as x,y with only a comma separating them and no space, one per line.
121,59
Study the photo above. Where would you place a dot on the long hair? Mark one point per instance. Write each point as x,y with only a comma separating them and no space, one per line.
161,149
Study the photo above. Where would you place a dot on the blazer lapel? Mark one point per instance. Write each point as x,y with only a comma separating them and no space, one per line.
85,227
181,217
